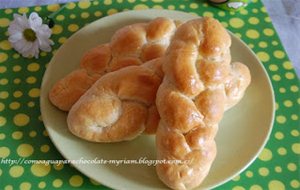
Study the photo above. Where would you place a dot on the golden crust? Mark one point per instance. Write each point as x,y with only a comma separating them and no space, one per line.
151,51
121,62
198,86
236,84
77,82
160,28
131,45
152,120
216,41
96,59
129,40
118,106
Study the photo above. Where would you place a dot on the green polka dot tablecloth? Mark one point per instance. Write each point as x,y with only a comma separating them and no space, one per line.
23,135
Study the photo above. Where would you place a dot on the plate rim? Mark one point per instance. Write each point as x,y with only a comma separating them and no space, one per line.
44,92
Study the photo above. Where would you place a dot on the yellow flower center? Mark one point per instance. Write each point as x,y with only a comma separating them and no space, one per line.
29,35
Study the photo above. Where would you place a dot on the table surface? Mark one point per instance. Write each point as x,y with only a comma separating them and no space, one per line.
23,135
285,15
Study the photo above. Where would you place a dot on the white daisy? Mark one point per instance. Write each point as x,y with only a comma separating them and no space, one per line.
30,35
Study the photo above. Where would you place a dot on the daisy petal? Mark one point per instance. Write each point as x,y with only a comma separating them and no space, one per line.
19,45
35,21
27,49
36,49
29,46
43,31
22,21
51,42
44,44
13,28
15,37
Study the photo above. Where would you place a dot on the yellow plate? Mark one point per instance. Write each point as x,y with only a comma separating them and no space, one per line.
243,132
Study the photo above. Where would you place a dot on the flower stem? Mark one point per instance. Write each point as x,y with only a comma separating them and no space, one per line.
52,15
50,19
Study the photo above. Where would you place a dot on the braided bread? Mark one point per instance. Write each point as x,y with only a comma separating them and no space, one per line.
198,86
119,106
131,45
